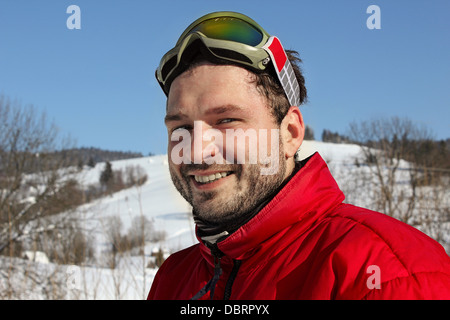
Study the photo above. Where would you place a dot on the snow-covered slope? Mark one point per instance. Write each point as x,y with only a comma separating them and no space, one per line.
159,202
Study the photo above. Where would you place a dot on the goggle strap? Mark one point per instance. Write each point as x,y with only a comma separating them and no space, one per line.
284,70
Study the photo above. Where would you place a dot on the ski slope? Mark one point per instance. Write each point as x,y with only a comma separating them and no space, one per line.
160,203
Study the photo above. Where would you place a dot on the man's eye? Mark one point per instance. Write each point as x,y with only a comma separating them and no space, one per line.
227,120
183,127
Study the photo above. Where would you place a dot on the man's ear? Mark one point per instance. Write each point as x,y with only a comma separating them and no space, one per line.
292,131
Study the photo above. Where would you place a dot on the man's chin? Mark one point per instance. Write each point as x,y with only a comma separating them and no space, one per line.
212,210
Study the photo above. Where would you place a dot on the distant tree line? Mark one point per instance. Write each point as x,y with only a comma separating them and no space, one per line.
334,137
115,180
91,156
419,148
66,158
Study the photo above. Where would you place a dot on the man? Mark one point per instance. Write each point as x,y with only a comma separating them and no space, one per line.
270,227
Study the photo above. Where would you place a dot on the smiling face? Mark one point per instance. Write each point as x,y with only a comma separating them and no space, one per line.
218,100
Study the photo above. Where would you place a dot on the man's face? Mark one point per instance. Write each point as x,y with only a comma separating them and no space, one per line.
222,100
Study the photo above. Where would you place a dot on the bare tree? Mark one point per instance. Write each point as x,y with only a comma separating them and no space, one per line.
404,172
29,176
34,180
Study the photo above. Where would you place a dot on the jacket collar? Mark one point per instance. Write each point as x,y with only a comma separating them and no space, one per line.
309,194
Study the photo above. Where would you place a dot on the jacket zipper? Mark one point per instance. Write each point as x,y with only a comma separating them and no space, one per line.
217,254
211,285
231,278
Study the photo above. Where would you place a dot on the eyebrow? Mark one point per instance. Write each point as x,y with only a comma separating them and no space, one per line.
223,109
217,110
174,117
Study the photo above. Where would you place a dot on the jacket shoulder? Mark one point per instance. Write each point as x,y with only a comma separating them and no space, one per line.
410,263
167,280
410,246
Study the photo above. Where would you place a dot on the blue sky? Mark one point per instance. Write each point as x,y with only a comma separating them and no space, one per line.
97,83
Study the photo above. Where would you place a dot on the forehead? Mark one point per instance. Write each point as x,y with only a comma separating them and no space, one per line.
207,85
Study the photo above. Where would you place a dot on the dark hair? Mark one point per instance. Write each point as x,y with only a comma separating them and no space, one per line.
266,81
268,85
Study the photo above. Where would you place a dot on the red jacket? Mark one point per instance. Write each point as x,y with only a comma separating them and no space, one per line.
307,244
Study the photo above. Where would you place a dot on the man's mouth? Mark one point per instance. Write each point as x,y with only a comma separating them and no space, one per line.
204,179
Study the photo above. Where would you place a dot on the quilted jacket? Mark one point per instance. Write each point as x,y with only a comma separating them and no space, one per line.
307,244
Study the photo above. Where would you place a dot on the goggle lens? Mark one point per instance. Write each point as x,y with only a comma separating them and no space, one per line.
229,28
237,28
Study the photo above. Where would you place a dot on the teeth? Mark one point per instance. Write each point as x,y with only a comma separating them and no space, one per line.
211,177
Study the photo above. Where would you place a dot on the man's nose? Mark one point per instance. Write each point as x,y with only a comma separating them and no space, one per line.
206,143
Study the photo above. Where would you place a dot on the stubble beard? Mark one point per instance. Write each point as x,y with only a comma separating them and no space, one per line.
223,207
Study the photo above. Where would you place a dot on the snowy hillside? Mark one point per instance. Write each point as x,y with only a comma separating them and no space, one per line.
158,201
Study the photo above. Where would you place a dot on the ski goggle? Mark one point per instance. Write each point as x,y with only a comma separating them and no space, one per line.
229,37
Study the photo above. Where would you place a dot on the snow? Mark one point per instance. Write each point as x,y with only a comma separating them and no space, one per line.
330,152
37,256
159,202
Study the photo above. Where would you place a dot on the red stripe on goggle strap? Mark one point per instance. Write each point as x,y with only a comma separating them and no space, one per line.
278,53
